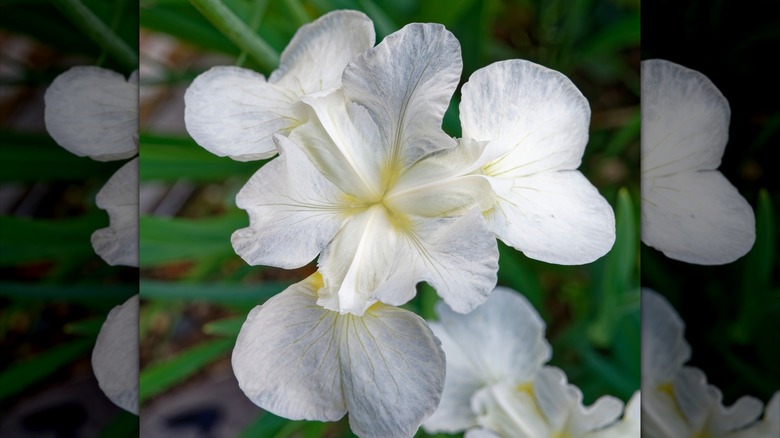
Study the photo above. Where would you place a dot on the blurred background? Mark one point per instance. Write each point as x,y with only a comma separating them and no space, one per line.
732,312
55,292
196,292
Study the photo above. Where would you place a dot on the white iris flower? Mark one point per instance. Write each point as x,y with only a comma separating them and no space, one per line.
298,360
677,400
497,384
118,244
235,112
690,211
373,183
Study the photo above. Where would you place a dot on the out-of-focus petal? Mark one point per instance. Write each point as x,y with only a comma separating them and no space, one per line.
118,244
697,217
664,349
115,355
93,112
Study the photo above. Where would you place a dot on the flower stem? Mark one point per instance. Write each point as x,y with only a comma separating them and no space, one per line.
237,31
98,31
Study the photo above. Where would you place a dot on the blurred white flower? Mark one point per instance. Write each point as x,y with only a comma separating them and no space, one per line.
93,112
535,123
497,384
690,211
677,400
118,244
373,182
235,112
301,361
115,355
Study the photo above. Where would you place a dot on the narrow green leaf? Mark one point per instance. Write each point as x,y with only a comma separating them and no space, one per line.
514,271
21,375
175,239
28,240
159,377
123,425
237,31
267,425
113,293
86,327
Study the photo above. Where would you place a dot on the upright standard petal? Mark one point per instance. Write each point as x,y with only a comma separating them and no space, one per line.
234,112
499,341
118,244
93,112
301,361
690,211
315,58
406,83
697,217
115,355
535,121
293,210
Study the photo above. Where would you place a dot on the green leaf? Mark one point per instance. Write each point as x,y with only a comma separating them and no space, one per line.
514,271
173,158
174,239
269,425
619,276
19,376
159,377
233,294
110,294
227,327
86,327
27,240
123,425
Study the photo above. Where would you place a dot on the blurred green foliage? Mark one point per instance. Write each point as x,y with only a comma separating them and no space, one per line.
592,311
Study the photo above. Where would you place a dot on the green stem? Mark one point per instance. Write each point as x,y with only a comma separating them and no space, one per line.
257,15
238,32
96,29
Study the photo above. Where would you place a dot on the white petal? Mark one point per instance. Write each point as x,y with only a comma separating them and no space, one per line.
118,244
234,112
406,83
500,341
664,349
768,427
660,416
115,356
685,120
293,210
315,58
358,261
301,361
457,256
697,217
93,112
701,404
394,371
556,217
628,427
509,412
444,183
343,142
287,358
480,433
535,115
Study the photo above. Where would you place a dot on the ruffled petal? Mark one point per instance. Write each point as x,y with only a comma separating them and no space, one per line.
406,83
509,412
457,256
93,112
118,244
697,217
685,120
301,361
660,416
293,210
358,261
233,112
315,58
535,115
115,355
556,217
768,427
500,341
343,142
664,349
